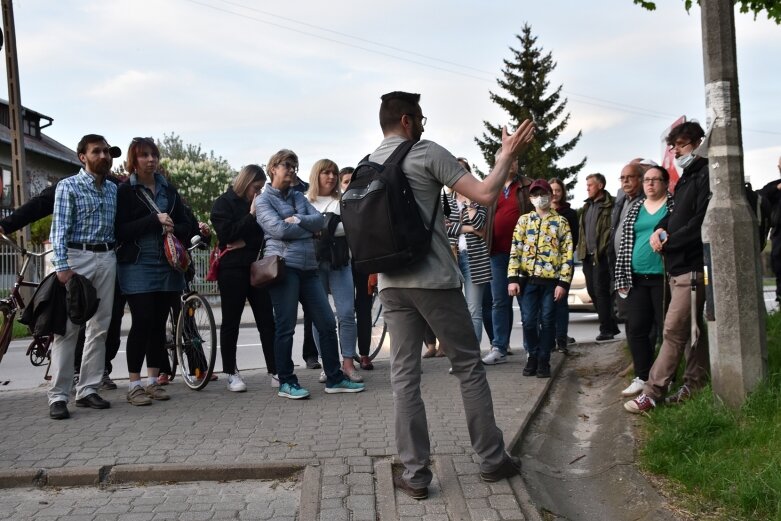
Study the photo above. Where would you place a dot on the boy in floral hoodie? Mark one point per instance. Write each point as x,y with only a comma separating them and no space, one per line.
540,270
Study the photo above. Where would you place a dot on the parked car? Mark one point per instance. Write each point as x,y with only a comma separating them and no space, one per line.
578,298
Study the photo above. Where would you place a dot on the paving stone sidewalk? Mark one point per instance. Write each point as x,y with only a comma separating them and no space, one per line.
346,438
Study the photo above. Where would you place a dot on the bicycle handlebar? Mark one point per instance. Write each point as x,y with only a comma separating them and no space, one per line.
4,238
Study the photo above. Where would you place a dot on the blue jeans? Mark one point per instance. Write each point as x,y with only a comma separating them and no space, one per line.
473,294
502,309
339,283
538,310
285,294
562,318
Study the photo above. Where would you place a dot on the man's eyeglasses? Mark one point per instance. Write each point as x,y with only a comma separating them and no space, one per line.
679,145
627,177
652,180
292,167
423,118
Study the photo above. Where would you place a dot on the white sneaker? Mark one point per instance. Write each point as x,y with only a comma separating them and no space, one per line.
274,381
634,388
235,383
322,378
494,357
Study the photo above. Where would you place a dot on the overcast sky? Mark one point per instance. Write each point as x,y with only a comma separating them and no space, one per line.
245,78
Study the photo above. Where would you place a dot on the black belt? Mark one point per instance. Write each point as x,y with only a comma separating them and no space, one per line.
101,246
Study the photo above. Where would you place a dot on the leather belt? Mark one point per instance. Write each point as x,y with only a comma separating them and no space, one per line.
101,246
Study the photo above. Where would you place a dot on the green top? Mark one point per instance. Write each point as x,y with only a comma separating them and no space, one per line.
646,261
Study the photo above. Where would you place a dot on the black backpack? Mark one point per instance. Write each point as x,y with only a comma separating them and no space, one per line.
382,222
329,247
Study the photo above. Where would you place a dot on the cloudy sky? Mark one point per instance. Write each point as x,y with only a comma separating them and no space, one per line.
245,78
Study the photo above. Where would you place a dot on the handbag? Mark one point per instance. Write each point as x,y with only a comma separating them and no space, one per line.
266,271
214,263
175,252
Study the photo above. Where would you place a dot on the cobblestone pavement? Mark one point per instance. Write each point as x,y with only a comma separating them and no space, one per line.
196,501
345,435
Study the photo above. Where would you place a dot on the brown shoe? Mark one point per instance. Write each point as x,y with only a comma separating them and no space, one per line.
679,397
511,467
431,351
155,392
415,493
137,396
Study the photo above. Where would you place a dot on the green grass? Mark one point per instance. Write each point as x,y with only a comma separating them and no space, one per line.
729,459
20,330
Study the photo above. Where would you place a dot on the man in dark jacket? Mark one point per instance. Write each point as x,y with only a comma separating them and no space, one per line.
593,251
772,192
679,237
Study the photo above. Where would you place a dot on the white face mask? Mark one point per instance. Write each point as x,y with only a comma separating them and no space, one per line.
684,161
541,202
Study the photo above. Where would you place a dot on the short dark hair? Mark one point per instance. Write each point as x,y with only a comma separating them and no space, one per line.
464,163
344,171
690,130
662,170
81,148
394,105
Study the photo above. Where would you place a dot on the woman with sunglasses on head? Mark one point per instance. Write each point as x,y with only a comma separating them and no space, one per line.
233,217
148,206
333,258
640,275
290,223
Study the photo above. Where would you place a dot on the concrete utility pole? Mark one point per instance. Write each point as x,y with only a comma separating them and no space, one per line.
21,189
738,349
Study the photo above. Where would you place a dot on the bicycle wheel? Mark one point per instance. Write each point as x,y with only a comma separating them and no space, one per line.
6,326
196,342
170,342
379,328
39,351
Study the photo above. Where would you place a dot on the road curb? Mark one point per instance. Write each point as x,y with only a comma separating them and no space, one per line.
309,502
159,472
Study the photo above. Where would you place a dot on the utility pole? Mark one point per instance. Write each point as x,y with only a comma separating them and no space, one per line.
738,349
21,188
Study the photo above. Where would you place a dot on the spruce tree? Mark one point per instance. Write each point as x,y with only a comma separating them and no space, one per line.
525,81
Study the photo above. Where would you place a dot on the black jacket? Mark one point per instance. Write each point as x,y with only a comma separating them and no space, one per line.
135,219
232,221
683,251
566,211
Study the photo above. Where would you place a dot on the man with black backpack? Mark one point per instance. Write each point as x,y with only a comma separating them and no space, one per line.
428,291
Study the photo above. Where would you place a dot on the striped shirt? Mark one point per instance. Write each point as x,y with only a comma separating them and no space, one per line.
476,249
83,212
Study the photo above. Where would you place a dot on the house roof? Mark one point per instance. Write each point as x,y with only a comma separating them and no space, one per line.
45,146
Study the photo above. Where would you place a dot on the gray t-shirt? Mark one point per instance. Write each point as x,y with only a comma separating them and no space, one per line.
428,167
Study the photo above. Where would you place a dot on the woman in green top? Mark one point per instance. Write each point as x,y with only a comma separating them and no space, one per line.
640,272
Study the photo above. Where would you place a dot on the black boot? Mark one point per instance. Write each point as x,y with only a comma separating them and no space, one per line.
531,366
543,369
561,345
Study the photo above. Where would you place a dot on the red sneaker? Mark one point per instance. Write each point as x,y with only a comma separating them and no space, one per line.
641,404
162,379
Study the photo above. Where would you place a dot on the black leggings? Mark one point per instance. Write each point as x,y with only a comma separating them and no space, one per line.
645,312
235,291
149,312
363,311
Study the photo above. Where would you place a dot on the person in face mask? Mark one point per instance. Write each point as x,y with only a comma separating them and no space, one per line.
678,236
540,270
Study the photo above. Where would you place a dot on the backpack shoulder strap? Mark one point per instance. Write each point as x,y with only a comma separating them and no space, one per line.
400,153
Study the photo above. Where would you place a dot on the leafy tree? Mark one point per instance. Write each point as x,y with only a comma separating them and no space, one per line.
525,80
773,7
199,177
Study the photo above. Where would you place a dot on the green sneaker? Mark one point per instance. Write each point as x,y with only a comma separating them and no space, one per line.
345,386
292,391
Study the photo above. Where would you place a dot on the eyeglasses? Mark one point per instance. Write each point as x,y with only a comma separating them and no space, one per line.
627,177
292,167
651,180
423,118
679,145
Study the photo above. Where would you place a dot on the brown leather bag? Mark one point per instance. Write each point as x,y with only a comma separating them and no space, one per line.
266,271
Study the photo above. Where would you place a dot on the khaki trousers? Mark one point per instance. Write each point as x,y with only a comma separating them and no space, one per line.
677,333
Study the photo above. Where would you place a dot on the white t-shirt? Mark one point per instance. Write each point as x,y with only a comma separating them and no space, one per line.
326,203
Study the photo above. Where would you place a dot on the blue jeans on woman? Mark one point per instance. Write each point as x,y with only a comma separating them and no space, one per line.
339,283
473,294
285,294
538,310
502,307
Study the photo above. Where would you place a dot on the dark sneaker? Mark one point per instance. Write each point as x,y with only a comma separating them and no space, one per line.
543,370
683,394
106,383
641,404
59,411
561,345
93,401
531,366
511,467
366,363
571,341
415,493
312,363
605,337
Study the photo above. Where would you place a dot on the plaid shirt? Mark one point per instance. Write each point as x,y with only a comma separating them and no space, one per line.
82,213
623,274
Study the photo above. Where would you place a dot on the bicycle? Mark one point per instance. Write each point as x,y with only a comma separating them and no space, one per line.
379,328
192,344
39,350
